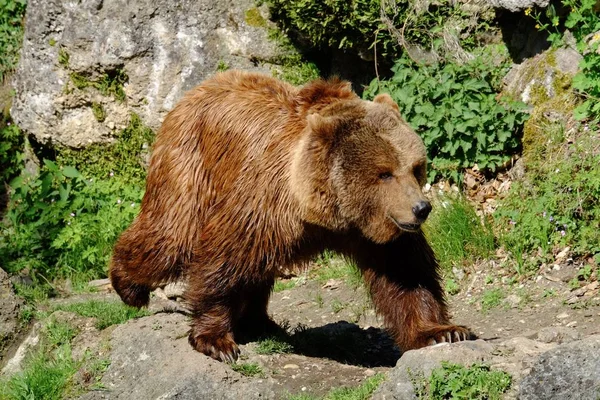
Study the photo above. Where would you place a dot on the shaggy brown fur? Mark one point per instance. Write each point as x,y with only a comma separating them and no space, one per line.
250,175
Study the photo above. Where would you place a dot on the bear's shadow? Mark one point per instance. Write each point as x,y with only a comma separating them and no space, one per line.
343,342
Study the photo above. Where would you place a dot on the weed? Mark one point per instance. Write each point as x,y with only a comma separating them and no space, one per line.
491,298
281,285
319,300
273,345
106,313
337,306
457,234
453,381
248,369
548,293
451,286
222,66
63,57
98,112
11,151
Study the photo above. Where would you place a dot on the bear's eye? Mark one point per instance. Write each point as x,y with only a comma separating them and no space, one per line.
386,176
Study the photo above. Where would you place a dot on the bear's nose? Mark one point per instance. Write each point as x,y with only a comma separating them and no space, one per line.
422,210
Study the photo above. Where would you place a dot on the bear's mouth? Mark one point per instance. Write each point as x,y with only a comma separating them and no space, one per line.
405,227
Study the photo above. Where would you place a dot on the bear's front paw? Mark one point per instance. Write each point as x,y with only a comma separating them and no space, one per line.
221,348
449,334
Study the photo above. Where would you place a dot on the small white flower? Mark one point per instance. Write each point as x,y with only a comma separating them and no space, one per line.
132,204
72,214
119,201
69,223
111,173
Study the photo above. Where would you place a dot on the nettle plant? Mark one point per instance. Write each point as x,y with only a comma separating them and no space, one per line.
456,110
63,225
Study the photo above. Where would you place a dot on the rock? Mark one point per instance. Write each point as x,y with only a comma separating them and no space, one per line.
513,300
536,79
570,371
557,334
419,364
518,5
158,363
160,49
10,306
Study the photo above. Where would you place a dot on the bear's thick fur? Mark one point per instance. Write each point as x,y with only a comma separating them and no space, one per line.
250,175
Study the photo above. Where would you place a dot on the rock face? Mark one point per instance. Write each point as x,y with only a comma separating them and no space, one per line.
151,359
517,5
86,66
9,312
570,371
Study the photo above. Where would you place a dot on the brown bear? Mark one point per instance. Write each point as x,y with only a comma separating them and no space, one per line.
250,175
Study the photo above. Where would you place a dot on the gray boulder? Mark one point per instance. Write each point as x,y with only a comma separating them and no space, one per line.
151,359
86,66
517,5
570,371
416,365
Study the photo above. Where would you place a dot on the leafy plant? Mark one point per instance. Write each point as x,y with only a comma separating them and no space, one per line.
11,34
477,382
456,111
61,224
11,150
110,83
247,369
491,299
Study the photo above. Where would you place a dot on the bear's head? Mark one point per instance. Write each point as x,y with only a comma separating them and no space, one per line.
359,165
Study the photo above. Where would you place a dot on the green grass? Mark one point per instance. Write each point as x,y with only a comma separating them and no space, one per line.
106,313
453,381
564,179
281,285
248,369
273,345
48,371
491,298
333,266
456,233
362,392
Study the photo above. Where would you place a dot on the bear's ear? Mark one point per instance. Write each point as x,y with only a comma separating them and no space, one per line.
385,98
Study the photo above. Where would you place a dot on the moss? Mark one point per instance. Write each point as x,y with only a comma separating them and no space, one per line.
537,142
254,18
222,66
296,71
125,157
110,83
99,112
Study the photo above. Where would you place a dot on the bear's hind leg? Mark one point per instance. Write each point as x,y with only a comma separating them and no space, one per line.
138,267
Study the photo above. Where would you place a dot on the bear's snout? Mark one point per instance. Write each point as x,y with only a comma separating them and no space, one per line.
422,210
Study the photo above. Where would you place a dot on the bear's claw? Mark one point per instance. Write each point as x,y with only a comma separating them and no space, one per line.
222,348
450,334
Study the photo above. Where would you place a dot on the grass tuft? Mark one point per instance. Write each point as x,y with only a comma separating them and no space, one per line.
106,313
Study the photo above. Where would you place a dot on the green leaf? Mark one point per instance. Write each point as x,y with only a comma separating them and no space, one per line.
70,172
